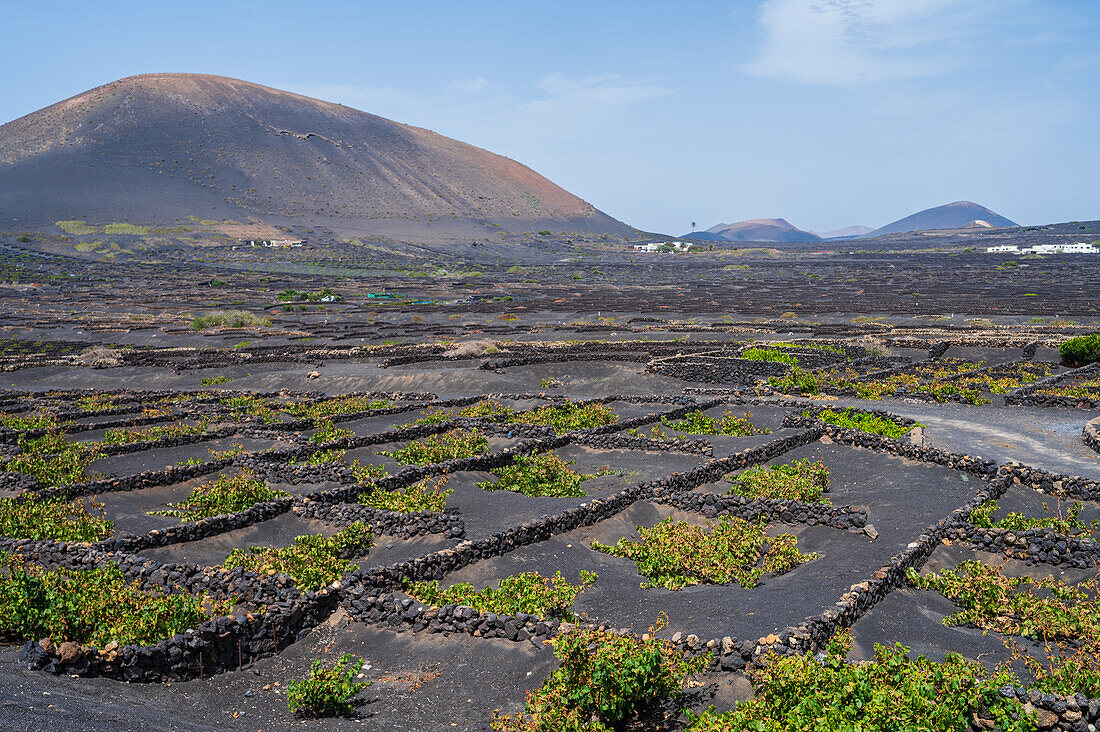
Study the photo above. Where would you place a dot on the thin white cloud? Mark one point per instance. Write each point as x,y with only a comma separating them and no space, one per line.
469,86
852,42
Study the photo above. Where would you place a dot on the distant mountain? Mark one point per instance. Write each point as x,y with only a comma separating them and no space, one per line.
957,215
702,236
846,233
158,147
756,230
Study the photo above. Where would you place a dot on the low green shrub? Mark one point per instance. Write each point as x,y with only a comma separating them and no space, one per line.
892,692
544,474
863,421
529,592
229,319
93,606
1081,350
127,436
449,445
410,499
568,416
52,460
35,518
312,561
334,406
22,423
431,415
322,457
769,354
606,682
799,480
698,423
226,494
215,380
676,554
1071,523
797,381
327,433
488,409
1044,608
328,691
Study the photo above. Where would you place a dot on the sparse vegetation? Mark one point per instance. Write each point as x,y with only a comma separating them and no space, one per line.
605,682
36,518
544,474
229,319
892,692
529,592
328,691
676,554
450,445
799,480
92,606
225,494
863,421
410,499
698,423
569,416
312,562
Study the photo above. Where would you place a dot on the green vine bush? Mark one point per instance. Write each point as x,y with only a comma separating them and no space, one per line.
1065,618
676,554
863,421
449,445
313,561
799,480
605,682
529,592
322,457
892,692
93,606
327,433
410,499
22,423
368,474
769,354
35,518
490,410
1025,606
568,416
52,460
430,416
1070,523
698,423
251,406
544,474
336,405
126,436
225,494
328,691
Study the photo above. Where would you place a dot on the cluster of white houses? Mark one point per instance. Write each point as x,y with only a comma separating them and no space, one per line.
663,246
1077,248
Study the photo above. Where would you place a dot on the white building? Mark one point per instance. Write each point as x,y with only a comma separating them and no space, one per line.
663,246
1075,248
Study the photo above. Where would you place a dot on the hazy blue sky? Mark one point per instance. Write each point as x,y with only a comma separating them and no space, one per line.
826,112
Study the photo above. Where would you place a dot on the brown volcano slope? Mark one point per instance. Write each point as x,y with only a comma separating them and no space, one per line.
157,147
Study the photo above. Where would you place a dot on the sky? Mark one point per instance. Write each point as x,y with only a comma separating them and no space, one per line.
828,113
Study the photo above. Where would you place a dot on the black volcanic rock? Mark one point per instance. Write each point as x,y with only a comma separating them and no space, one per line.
957,215
157,147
